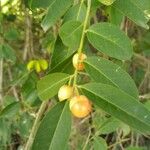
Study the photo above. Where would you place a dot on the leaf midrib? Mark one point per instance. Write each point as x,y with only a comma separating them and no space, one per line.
109,79
53,85
57,126
118,107
107,39
79,10
74,30
128,16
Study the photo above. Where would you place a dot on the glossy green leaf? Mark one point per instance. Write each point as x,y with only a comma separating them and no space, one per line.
76,13
133,9
60,52
70,33
49,85
109,39
119,104
105,71
54,130
55,11
61,58
107,2
64,66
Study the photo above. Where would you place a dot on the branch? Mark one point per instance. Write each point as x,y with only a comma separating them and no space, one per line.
13,87
35,126
145,96
1,81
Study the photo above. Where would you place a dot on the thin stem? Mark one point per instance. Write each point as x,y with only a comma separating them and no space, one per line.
123,140
145,96
80,9
82,39
13,87
1,82
35,126
84,27
1,68
87,140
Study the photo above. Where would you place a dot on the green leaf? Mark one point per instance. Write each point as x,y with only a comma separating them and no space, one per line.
135,148
29,92
99,143
61,58
144,4
5,132
24,124
109,39
12,34
115,16
107,2
147,104
49,85
10,111
60,52
70,33
76,13
119,104
133,9
105,71
109,126
54,130
55,11
64,66
40,3
7,53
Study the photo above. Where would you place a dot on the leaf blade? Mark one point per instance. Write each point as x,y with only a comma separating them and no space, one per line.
49,85
133,10
49,135
109,39
70,33
119,104
56,10
105,71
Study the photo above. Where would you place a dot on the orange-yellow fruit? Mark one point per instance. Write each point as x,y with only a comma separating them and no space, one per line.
65,92
80,106
78,61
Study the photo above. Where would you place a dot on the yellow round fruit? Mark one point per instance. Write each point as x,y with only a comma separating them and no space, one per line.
80,106
65,92
78,61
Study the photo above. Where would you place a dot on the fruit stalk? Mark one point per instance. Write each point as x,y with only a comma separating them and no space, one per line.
82,38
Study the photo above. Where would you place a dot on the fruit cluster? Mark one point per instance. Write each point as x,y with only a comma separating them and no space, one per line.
37,65
79,105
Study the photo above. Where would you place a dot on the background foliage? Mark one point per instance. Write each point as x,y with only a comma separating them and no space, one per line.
115,36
